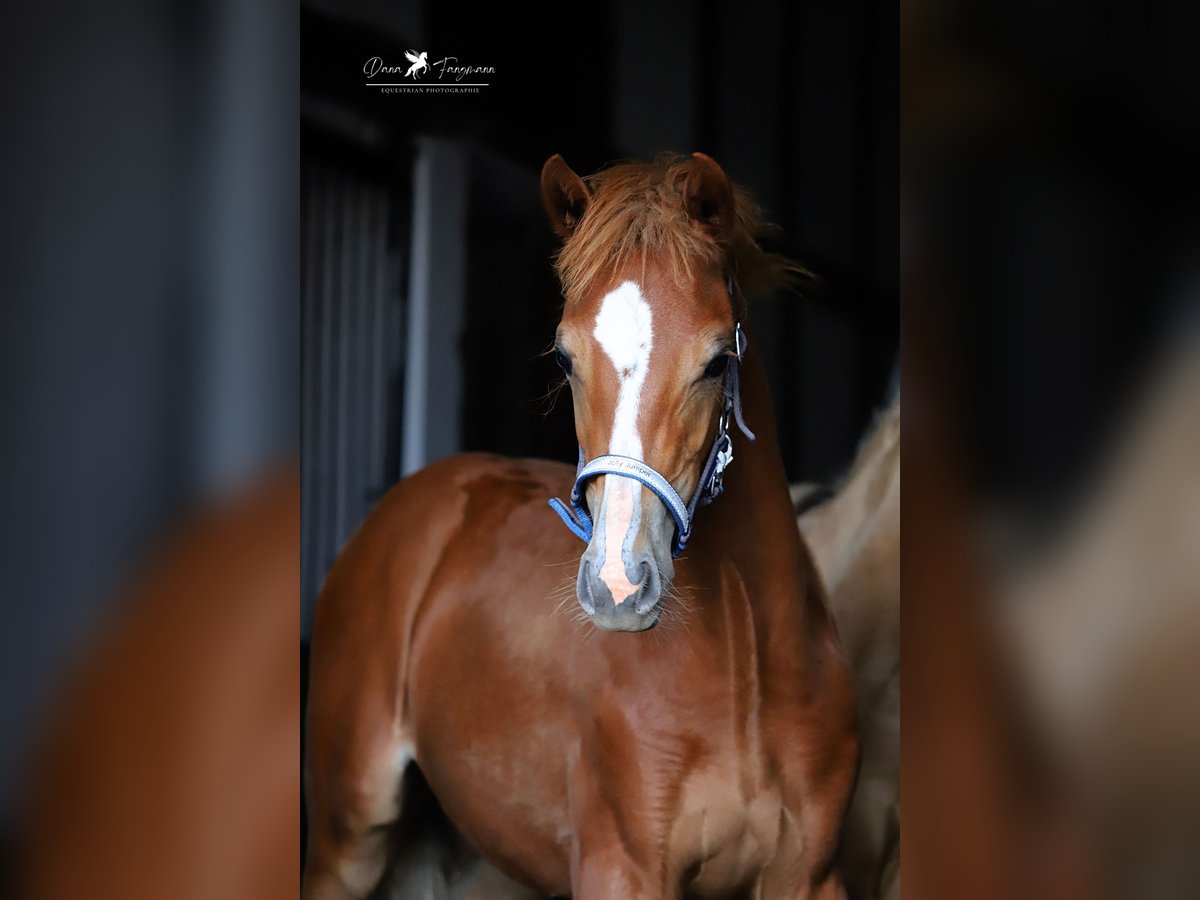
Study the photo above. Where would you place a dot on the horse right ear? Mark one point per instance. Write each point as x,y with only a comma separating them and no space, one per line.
709,198
564,195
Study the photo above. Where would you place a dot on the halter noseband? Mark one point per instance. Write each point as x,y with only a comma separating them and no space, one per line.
712,481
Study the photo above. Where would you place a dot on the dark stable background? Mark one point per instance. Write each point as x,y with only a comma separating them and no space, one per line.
797,101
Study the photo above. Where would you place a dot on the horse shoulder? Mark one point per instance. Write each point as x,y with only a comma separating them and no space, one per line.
373,593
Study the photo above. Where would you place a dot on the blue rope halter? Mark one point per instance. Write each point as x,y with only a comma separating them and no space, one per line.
712,481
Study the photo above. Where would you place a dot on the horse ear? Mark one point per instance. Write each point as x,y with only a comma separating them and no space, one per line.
564,195
708,195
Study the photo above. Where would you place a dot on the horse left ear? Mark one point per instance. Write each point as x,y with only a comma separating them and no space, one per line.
708,194
564,195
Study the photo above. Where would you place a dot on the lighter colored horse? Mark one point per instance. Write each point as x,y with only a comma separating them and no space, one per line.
693,735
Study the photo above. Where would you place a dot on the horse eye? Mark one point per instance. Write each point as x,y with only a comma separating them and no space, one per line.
564,361
716,368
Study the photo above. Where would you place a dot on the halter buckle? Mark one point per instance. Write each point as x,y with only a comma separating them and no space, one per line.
716,483
724,455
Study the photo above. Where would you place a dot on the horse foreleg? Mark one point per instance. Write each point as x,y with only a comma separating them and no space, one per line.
348,870
608,873
832,888
354,799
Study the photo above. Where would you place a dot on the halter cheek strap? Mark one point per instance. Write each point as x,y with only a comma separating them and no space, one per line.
711,484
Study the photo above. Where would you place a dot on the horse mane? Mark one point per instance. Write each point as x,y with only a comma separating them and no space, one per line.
880,438
637,210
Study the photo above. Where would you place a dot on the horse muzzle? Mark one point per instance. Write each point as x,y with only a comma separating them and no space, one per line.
640,603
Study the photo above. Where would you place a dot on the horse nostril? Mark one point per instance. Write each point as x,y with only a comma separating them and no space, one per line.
584,588
648,589
644,575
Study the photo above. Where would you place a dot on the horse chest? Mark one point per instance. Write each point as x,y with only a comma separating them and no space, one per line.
705,804
727,831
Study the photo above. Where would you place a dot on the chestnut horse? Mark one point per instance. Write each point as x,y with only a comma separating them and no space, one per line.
690,731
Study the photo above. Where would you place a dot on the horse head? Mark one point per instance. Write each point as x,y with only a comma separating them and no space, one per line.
648,332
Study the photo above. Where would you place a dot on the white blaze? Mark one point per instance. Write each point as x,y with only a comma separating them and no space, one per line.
624,330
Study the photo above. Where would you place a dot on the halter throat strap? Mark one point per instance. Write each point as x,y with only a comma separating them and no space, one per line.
710,486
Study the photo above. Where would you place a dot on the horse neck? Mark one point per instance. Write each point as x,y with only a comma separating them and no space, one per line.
754,517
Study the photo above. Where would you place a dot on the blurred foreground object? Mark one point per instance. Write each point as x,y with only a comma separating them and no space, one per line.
1049,220
854,538
172,768
1105,630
